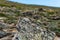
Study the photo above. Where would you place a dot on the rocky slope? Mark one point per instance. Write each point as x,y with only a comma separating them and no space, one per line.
27,22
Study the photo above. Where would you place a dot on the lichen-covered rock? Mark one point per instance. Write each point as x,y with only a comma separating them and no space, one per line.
32,31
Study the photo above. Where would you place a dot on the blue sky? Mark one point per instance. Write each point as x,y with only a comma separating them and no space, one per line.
55,3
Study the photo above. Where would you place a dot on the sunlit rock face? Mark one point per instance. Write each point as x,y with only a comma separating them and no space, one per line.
57,38
28,30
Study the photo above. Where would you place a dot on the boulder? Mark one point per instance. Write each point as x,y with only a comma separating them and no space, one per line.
27,14
3,34
55,17
32,31
41,9
36,17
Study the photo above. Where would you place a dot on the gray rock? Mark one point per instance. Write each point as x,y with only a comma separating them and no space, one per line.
2,34
3,25
32,31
